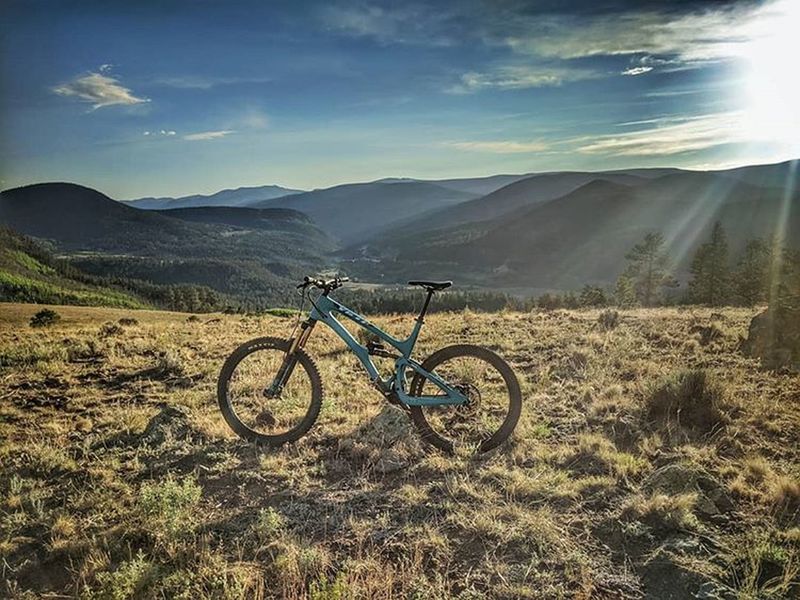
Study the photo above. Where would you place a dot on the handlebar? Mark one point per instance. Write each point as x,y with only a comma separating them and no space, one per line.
322,284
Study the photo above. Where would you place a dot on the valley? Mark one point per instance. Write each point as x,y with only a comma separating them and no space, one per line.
522,235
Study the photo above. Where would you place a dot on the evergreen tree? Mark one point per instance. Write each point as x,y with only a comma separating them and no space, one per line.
624,291
752,273
710,283
648,268
784,286
592,295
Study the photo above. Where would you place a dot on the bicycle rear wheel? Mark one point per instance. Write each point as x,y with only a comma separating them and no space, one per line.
254,413
495,400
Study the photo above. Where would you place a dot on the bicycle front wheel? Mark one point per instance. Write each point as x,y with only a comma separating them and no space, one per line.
248,406
495,400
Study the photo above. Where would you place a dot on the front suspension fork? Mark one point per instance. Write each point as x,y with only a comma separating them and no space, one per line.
290,360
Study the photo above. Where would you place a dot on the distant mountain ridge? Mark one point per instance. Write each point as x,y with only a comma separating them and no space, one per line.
583,235
233,197
555,230
248,252
353,211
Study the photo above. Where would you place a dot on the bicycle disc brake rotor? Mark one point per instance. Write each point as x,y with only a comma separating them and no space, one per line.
473,403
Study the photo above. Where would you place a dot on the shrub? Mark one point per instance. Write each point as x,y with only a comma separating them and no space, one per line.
608,319
45,318
109,329
131,580
168,508
169,364
269,524
690,400
128,321
708,334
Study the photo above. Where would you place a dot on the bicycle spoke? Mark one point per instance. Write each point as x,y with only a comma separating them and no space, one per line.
248,399
488,393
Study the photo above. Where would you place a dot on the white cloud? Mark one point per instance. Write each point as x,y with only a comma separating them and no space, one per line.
101,90
667,136
518,77
208,135
637,70
710,34
499,146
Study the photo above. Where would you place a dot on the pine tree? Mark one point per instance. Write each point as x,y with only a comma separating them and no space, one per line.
752,273
648,268
592,295
710,283
624,291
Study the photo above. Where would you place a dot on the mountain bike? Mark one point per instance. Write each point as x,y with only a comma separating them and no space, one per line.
460,397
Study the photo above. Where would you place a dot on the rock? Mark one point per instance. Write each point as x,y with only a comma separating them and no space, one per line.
665,579
171,423
774,337
678,478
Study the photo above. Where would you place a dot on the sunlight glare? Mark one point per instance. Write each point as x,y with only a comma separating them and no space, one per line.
771,87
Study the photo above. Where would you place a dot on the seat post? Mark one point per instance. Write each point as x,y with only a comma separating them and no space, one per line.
421,316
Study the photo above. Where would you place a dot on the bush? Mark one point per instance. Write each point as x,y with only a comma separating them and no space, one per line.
131,579
109,329
45,318
269,525
128,321
708,334
690,400
168,508
608,319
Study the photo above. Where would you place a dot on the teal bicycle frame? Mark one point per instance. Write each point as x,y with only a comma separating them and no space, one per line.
325,310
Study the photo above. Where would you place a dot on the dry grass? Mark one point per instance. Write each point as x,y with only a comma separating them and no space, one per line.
651,459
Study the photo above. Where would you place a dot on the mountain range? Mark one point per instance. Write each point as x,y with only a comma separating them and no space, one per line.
554,230
205,246
239,197
520,236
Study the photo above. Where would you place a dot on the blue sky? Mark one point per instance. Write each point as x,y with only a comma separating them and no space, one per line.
173,98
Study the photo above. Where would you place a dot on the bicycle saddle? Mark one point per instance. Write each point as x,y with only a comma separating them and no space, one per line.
433,286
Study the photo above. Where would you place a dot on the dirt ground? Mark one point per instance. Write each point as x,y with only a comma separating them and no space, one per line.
652,460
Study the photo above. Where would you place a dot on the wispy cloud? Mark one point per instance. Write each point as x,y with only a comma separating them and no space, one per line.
517,78
499,146
700,35
666,136
637,71
198,82
405,23
100,90
207,135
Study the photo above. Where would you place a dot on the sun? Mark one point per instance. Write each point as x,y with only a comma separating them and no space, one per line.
771,87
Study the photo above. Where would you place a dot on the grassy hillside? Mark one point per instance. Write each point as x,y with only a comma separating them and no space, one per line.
247,253
118,477
28,273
